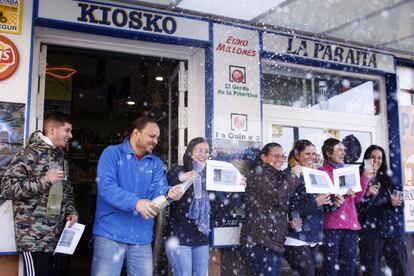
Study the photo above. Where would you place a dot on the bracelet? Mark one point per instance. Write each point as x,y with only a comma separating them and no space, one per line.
166,195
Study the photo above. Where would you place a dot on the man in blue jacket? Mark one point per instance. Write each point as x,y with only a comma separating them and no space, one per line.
128,178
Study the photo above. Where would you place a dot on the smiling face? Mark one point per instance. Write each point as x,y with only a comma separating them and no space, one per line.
144,141
338,154
376,156
59,134
200,153
306,158
275,157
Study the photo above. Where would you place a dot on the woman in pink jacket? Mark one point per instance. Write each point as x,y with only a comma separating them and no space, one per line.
340,226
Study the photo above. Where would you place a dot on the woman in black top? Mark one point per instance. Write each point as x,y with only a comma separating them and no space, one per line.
381,218
187,245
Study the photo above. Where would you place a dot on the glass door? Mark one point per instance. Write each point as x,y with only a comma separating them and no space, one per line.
302,102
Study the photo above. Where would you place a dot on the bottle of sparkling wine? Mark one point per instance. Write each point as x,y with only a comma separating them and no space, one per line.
54,200
162,201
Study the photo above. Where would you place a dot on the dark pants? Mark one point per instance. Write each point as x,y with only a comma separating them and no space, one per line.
373,249
339,250
303,259
44,264
36,263
262,261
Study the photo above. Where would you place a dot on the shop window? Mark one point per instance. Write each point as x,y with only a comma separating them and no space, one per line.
406,97
319,89
356,142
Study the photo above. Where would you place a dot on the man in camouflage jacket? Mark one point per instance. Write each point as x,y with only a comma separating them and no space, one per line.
27,182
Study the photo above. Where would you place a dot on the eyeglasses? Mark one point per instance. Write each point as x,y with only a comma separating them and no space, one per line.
279,156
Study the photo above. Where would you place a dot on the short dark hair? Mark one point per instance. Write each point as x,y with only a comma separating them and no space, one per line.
187,159
300,145
57,117
328,147
266,149
140,123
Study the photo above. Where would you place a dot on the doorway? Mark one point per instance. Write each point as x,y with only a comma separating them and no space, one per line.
104,92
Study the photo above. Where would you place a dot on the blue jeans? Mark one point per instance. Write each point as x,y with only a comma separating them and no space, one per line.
262,261
188,260
109,255
339,250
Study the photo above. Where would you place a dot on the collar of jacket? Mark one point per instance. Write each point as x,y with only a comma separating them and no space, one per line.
271,169
126,148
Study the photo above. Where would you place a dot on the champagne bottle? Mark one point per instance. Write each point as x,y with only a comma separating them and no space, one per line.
54,200
162,201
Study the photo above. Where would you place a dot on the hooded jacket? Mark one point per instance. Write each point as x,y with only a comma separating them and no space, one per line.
268,194
26,183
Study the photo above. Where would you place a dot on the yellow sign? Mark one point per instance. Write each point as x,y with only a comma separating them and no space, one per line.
11,16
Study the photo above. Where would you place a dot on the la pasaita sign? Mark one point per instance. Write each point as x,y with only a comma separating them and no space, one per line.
325,51
123,18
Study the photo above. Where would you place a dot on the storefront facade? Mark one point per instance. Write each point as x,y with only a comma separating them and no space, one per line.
239,86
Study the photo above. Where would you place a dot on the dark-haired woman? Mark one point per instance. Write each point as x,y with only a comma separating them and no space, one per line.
340,226
267,204
189,219
306,232
381,218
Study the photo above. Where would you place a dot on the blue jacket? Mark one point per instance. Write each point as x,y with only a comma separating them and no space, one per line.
378,217
122,180
311,215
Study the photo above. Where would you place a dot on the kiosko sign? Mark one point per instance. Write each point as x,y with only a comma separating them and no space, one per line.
326,51
9,58
123,18
135,20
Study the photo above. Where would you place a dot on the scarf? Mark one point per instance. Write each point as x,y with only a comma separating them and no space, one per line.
334,165
200,205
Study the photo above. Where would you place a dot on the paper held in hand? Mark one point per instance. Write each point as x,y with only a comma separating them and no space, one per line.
223,176
319,182
69,239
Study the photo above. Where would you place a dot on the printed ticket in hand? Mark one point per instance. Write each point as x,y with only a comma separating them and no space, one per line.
223,176
319,182
69,239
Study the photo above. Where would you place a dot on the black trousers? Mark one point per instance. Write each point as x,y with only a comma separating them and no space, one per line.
373,249
44,264
303,259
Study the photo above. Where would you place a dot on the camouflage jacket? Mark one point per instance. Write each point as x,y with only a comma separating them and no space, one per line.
27,185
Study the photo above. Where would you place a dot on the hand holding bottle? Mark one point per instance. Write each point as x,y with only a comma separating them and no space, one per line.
146,208
175,192
55,173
